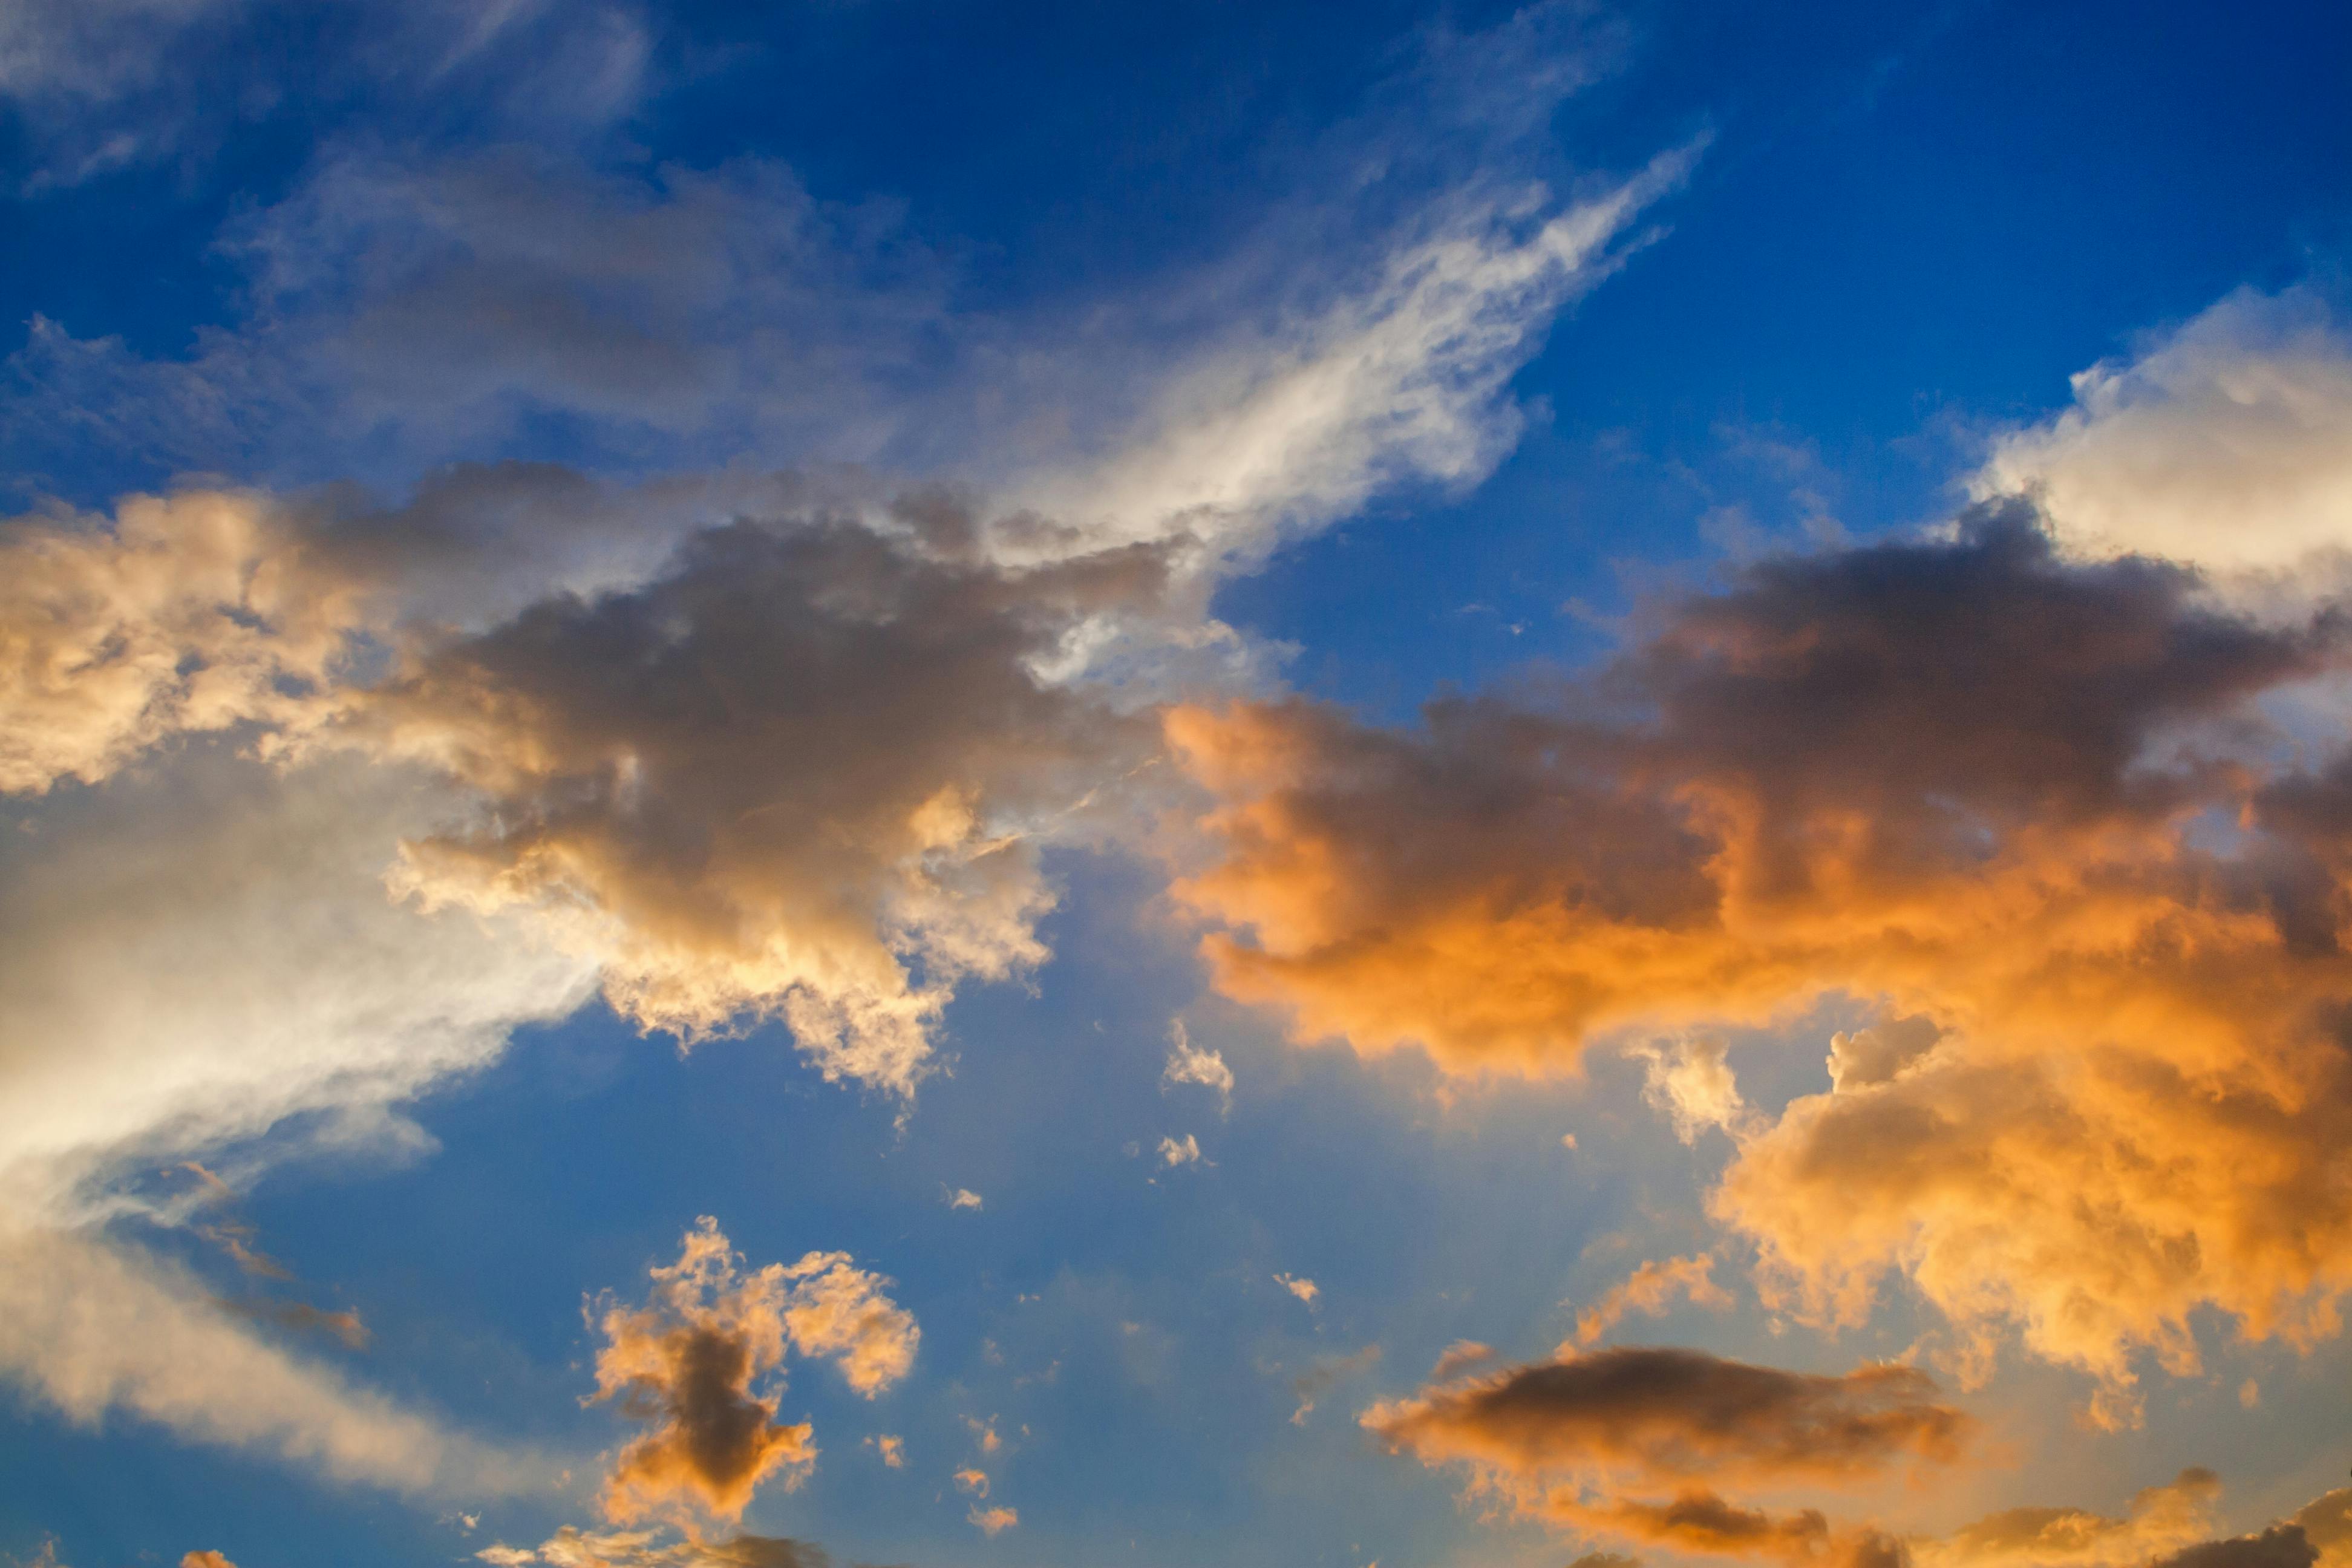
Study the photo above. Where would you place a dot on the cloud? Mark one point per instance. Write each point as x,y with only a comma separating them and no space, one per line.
1692,1083
574,1548
1657,1416
2281,1546
89,1329
1300,1286
188,615
2031,800
1648,1289
344,1326
803,775
688,1363
1569,1440
2223,443
963,1198
205,1560
2161,1520
100,86
837,1310
1398,377
203,957
1184,1150
1879,1053
993,1521
973,1481
1189,1063
892,1450
1459,1354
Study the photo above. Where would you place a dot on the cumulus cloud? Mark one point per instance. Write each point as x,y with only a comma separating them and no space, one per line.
992,1522
1184,1150
779,781
2029,800
1189,1063
192,614
2223,443
1649,1291
1692,1083
692,1362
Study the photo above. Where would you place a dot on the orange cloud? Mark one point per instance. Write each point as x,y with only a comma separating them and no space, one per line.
2161,1519
1573,1440
2025,804
1648,1291
1663,1416
689,1362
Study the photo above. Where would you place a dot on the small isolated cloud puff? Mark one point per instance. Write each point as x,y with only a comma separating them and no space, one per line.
992,1522
1300,1286
961,1197
972,1479
688,1364
1692,1083
205,1560
1184,1150
1649,1291
1187,1063
892,1450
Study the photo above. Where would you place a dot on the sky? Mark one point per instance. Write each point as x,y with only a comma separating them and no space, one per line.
1272,786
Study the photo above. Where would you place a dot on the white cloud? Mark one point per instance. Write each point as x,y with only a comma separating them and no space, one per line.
1187,1063
1690,1082
90,1330
1184,1150
2226,443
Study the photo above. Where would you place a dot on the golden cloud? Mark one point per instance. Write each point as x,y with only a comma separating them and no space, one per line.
690,1362
2028,804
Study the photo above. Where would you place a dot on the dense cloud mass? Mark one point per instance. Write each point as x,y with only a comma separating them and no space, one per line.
690,1365
2227,442
2027,806
1660,1416
1571,1440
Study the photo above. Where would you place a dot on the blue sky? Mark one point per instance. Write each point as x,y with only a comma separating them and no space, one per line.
1210,699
